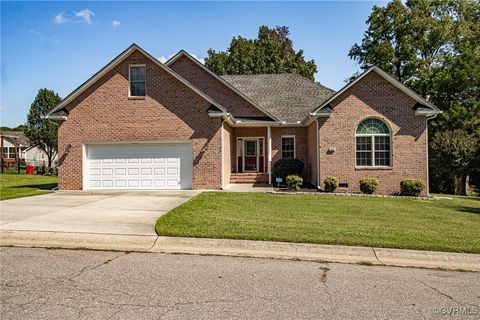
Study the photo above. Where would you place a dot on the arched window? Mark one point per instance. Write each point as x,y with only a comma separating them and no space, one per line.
373,146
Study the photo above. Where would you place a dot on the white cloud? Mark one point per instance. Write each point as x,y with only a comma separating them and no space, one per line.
201,60
35,32
85,15
164,59
46,38
115,23
59,18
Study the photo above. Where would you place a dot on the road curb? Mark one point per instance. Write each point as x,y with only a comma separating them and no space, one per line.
244,248
64,240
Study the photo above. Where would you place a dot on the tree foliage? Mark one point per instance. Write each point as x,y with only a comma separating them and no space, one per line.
42,132
271,52
432,47
460,152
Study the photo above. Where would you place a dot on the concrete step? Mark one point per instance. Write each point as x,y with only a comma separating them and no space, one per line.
249,177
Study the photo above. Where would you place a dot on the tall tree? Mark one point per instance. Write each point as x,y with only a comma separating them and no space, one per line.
459,150
271,52
434,48
43,132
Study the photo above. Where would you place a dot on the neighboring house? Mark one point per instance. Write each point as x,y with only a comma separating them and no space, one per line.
15,142
141,124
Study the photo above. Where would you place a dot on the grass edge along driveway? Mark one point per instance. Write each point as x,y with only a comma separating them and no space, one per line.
443,225
14,185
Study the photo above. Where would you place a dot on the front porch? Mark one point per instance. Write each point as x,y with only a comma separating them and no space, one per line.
250,155
249,152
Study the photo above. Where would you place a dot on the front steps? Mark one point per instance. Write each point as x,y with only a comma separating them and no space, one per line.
252,177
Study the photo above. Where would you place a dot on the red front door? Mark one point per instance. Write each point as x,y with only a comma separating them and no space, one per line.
251,156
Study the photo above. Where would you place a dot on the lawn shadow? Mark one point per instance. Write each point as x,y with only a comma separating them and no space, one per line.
469,209
42,186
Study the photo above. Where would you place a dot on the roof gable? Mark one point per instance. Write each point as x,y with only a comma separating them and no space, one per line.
423,107
229,86
58,113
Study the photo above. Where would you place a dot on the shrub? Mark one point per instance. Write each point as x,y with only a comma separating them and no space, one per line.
411,187
368,186
285,167
331,183
294,182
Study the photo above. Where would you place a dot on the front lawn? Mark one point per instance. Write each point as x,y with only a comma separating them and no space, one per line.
14,185
444,225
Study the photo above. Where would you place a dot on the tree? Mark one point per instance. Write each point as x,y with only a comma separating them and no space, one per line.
20,127
271,52
433,47
459,151
42,133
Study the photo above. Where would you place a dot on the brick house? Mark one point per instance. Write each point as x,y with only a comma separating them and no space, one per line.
141,124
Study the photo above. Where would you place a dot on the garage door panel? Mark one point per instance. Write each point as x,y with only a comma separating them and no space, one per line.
95,184
162,166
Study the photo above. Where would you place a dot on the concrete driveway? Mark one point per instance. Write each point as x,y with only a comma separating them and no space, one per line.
130,213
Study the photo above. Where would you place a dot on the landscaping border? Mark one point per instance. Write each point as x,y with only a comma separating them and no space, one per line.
347,194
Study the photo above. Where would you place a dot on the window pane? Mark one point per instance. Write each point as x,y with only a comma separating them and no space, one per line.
382,151
288,147
137,89
137,81
372,126
364,151
137,74
251,148
260,146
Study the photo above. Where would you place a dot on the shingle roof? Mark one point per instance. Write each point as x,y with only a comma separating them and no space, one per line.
18,135
289,97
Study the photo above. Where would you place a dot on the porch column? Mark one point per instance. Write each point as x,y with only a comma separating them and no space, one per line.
269,154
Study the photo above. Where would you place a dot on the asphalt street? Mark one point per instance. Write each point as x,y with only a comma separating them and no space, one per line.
76,284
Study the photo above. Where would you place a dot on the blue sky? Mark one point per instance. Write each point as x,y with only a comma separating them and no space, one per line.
59,45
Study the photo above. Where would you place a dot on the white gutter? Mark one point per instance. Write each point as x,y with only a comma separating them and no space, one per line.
429,113
58,118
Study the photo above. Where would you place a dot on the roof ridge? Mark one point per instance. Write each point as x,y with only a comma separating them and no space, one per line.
281,74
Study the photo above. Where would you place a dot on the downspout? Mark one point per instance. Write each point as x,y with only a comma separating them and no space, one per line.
222,157
269,134
317,147
428,165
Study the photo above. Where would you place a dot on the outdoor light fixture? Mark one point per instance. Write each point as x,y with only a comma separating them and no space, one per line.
67,150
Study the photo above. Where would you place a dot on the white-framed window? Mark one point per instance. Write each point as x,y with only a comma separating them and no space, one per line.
137,81
373,144
288,147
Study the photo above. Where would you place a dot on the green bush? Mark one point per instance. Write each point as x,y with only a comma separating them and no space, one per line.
331,183
411,187
368,186
294,182
285,167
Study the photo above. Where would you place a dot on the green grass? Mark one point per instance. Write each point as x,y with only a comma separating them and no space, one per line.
444,225
14,185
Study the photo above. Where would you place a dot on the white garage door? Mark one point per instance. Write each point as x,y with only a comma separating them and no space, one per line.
139,166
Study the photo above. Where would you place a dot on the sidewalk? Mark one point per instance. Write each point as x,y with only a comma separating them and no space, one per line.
243,248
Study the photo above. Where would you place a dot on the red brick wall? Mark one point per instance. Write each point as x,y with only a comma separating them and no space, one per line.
312,153
170,111
373,96
218,91
301,145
